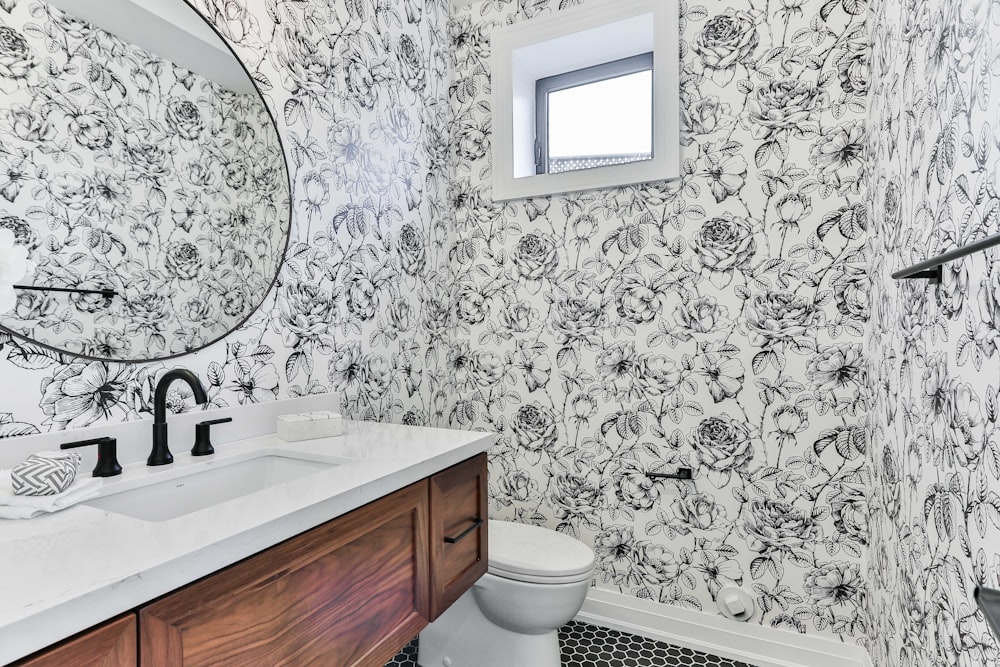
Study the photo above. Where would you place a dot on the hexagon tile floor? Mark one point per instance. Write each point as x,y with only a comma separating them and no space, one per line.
585,645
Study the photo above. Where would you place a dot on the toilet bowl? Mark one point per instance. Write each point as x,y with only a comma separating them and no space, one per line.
536,582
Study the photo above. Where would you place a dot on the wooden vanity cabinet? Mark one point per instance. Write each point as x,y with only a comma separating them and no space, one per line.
349,592
111,644
458,514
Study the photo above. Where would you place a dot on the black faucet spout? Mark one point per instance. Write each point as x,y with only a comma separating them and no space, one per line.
160,454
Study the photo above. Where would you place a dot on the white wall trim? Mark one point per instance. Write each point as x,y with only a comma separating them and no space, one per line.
748,642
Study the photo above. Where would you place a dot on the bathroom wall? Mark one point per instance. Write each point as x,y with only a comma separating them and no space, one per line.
933,357
360,91
714,322
165,189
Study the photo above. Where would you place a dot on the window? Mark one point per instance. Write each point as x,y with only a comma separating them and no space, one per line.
595,117
586,97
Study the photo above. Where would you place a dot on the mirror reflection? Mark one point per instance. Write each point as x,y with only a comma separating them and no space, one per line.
122,170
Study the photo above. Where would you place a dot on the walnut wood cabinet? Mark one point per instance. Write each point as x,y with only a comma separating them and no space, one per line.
345,593
348,593
112,644
458,531
351,592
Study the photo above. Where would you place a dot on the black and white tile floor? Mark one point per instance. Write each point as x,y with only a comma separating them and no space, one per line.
407,657
585,645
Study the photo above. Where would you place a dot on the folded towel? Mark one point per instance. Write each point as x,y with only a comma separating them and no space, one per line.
45,473
28,507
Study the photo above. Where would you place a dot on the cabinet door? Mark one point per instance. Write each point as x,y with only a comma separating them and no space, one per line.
110,645
350,592
458,531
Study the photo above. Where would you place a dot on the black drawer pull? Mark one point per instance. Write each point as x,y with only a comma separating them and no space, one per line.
475,524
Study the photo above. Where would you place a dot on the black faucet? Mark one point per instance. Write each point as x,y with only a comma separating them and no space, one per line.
161,455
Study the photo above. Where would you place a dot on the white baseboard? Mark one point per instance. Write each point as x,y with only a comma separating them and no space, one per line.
747,642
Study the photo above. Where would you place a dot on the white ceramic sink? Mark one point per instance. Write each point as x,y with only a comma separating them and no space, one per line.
199,486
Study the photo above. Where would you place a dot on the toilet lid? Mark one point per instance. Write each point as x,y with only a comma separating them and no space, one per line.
520,549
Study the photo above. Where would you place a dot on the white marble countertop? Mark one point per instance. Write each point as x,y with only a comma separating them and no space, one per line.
65,572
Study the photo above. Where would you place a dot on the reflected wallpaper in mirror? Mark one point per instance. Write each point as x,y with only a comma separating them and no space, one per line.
121,170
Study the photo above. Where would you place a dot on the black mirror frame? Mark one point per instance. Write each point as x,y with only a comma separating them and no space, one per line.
280,261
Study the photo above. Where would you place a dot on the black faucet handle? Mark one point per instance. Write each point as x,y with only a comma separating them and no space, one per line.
107,455
203,436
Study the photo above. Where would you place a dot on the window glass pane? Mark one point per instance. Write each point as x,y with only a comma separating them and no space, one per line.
601,123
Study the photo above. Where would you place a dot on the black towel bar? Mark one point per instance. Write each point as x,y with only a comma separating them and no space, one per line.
931,268
107,293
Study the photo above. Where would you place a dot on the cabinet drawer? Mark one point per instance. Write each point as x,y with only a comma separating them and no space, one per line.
350,592
110,645
458,531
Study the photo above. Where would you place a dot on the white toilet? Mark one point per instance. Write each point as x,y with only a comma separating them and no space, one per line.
536,582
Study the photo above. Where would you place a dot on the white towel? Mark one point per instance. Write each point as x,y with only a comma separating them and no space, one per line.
28,507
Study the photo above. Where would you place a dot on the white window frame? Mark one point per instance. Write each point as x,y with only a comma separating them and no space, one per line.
599,32
577,79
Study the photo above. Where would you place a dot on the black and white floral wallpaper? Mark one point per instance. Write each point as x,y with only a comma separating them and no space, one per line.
717,321
932,351
360,92
714,321
120,170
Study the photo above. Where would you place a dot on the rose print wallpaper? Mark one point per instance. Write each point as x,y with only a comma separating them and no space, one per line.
360,93
119,170
715,321
933,355
739,320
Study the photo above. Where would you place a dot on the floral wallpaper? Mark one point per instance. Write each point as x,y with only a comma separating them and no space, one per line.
120,170
359,88
714,321
932,366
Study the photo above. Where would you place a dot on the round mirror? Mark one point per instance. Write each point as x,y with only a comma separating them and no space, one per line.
142,170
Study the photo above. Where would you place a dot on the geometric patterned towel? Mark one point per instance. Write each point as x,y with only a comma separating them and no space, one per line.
43,476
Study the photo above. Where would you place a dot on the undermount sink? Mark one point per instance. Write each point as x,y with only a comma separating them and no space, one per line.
202,486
